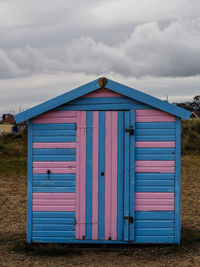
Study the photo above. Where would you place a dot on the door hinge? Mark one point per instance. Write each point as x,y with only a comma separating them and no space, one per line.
131,131
129,218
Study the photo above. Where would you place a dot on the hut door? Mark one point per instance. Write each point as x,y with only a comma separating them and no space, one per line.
105,175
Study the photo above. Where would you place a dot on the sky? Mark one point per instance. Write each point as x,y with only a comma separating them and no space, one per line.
49,47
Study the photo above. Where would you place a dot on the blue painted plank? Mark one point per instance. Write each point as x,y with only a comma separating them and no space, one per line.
29,182
155,131
89,135
54,177
154,224
54,151
53,214
154,215
53,233
126,176
154,176
154,231
55,227
139,239
155,157
54,132
132,175
101,182
104,107
55,158
54,190
103,100
56,139
54,126
120,175
54,221
54,184
154,239
164,188
178,183
155,125
156,150
154,182
155,138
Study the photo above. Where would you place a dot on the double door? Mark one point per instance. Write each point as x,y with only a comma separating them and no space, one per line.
105,176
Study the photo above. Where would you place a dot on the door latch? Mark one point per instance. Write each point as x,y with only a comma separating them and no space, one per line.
129,218
131,131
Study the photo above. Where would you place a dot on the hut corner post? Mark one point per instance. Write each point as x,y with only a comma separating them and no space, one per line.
178,183
29,182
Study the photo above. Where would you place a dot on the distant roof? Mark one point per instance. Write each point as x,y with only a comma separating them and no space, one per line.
94,85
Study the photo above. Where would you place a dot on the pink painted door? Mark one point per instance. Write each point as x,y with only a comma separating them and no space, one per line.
105,177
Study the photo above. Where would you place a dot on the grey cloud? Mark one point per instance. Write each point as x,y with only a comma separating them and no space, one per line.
149,51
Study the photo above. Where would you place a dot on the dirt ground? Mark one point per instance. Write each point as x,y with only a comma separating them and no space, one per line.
14,251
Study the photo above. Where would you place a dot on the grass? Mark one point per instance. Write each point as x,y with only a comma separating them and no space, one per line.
14,251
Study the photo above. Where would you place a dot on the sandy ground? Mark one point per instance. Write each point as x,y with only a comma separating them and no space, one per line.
14,251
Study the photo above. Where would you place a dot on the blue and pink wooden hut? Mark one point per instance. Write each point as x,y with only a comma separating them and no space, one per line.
104,167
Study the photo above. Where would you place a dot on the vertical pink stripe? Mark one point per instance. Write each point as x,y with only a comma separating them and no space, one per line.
95,169
82,174
78,176
114,178
108,173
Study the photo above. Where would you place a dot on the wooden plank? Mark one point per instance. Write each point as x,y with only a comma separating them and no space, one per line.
152,112
101,183
95,173
154,231
103,93
154,223
54,139
54,189
154,182
154,188
54,183
155,125
156,150
155,163
54,195
155,169
154,215
54,221
53,208
53,233
132,176
53,202
65,227
50,214
178,183
154,208
57,164
41,133
126,177
155,157
54,151
153,138
152,131
102,100
154,195
29,182
54,145
108,173
78,173
55,126
114,150
155,176
120,173
89,133
55,158
54,120
54,177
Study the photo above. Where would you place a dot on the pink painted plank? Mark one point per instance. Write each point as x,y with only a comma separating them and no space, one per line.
58,114
165,118
114,178
54,195
154,208
151,112
95,170
156,201
103,93
153,195
53,164
155,169
155,144
54,202
77,232
54,120
81,175
53,208
54,170
108,173
54,145
154,163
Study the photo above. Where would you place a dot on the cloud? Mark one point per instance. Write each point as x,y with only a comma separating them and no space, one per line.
149,51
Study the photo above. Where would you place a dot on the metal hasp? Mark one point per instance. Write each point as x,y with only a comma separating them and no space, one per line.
131,131
129,218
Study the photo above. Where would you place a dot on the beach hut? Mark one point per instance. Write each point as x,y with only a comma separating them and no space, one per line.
104,167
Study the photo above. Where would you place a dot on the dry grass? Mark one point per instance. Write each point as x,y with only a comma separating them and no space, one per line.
14,251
